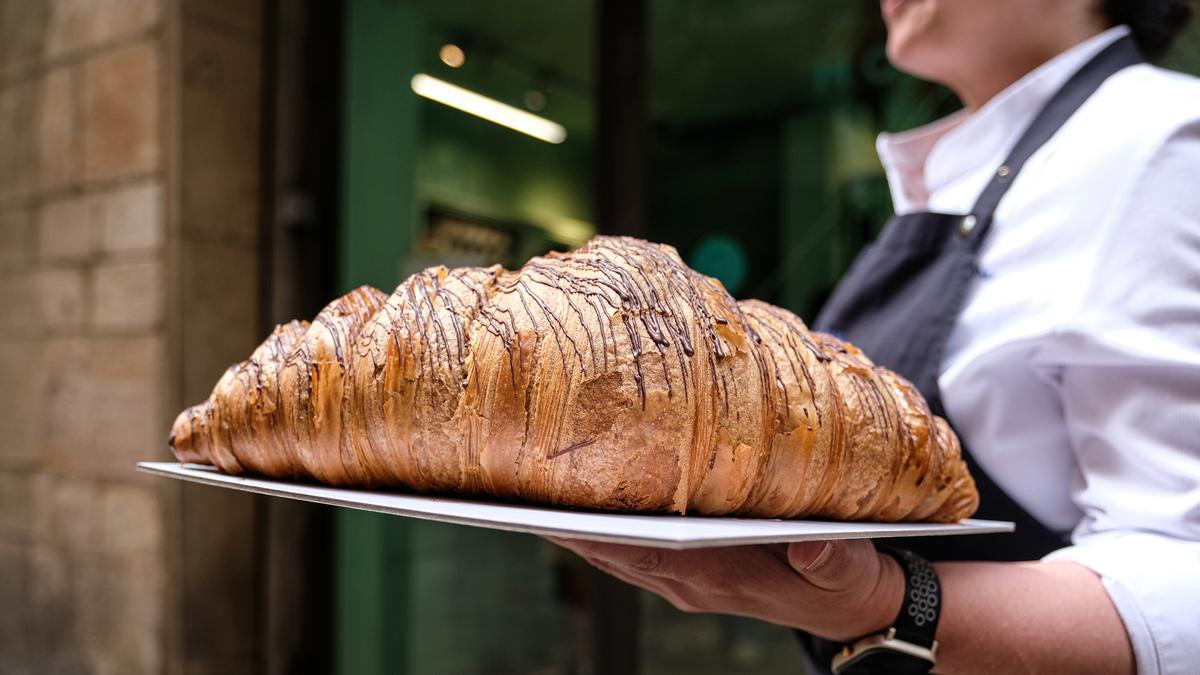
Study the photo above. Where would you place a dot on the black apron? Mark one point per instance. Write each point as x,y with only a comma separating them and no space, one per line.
904,292
902,296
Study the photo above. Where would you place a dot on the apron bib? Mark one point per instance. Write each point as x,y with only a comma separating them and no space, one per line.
901,297
903,294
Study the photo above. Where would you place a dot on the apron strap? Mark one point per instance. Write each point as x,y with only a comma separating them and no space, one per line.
1049,120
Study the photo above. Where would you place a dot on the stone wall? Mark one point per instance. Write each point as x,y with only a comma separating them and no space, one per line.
128,281
83,339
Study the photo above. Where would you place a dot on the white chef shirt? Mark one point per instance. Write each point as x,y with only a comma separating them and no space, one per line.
1073,371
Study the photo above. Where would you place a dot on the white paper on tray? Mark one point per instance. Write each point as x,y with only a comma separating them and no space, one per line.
662,531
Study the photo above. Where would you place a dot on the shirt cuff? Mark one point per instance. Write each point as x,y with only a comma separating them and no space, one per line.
1154,582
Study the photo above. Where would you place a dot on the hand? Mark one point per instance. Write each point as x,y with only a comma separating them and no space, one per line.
838,590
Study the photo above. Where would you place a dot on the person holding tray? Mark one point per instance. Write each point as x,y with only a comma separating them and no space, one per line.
1040,284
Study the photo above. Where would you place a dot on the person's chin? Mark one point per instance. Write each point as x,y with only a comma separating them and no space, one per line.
900,51
909,27
910,50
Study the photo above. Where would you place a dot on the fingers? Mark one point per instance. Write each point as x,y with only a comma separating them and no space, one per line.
800,585
826,586
834,565
713,573
588,552
638,559
828,565
619,573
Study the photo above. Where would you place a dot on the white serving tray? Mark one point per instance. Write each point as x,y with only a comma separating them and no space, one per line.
662,531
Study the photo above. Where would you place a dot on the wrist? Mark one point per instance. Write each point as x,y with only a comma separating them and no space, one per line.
909,642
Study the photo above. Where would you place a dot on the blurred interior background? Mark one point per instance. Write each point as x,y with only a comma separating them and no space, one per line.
176,176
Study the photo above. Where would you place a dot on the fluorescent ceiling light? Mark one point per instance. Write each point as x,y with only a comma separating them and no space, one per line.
571,231
488,108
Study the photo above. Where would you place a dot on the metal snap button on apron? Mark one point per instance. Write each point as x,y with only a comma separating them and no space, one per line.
1003,171
967,225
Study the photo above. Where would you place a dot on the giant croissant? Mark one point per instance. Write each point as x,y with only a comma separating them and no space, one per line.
611,377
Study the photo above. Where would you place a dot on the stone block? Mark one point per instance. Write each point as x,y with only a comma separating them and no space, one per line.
16,505
102,402
118,614
61,297
243,17
45,298
128,295
18,304
220,326
22,33
18,239
58,133
131,217
20,412
65,228
67,513
132,521
64,394
19,150
121,99
78,24
220,121
14,598
50,619
127,415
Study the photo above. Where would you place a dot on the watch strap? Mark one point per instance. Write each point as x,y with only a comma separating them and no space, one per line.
909,647
922,606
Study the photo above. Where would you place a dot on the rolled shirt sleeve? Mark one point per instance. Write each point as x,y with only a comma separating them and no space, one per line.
1127,370
1154,582
1135,429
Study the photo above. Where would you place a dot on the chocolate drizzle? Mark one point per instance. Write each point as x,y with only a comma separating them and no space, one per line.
570,448
644,284
472,379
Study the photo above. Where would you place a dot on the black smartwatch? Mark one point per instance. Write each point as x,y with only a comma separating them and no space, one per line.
908,647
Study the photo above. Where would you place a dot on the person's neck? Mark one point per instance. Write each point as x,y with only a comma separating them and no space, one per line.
980,85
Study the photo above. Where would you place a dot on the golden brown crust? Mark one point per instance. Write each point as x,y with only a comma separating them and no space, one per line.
611,377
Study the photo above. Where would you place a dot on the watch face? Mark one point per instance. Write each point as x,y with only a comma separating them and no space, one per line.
877,660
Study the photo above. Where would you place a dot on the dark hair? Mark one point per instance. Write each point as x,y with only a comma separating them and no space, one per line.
1154,23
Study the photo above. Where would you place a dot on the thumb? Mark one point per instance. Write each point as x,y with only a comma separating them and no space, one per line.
833,565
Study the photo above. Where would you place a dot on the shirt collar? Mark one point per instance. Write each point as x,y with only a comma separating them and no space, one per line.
923,160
